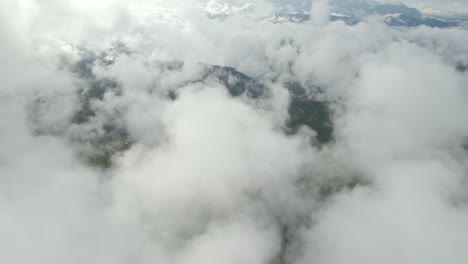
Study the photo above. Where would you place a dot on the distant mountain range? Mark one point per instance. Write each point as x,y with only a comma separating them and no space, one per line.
394,13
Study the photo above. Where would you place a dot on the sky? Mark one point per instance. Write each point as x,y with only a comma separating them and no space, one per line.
212,178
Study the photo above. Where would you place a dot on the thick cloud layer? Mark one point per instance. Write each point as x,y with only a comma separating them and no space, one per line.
119,146
320,12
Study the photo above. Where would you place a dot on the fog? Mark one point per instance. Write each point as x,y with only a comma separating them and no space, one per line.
118,146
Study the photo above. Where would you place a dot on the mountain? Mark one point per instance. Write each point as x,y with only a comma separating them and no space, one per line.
215,8
395,13
304,109
364,8
409,21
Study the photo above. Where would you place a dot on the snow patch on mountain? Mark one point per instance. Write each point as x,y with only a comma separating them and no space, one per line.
150,15
223,8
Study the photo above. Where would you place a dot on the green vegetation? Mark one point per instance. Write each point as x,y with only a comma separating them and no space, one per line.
313,114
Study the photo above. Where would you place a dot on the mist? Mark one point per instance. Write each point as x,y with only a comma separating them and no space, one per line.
157,132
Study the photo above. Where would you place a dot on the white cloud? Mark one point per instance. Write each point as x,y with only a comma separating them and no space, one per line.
209,177
320,11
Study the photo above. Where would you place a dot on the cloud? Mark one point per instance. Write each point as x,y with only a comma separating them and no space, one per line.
441,8
320,12
121,142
